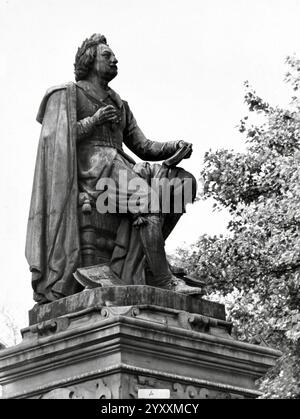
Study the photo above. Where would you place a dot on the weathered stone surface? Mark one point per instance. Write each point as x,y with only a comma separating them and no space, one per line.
111,352
126,296
85,125
96,389
149,313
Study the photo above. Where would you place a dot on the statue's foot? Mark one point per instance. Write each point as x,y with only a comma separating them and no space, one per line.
178,285
96,276
193,279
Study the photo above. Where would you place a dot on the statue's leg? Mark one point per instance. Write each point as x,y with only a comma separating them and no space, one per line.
153,241
169,222
154,250
170,219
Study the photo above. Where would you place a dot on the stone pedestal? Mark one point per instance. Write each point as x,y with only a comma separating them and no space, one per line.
110,342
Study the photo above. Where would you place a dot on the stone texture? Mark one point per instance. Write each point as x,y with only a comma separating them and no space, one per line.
111,351
84,128
125,296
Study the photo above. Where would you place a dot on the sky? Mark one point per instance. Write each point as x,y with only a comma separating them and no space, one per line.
182,66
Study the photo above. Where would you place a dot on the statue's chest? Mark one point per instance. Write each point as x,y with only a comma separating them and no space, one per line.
87,107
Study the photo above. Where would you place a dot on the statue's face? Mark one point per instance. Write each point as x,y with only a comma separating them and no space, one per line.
105,64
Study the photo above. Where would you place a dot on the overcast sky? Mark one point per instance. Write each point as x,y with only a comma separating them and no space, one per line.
182,65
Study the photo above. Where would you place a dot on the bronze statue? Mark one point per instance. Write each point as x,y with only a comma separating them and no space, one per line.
84,127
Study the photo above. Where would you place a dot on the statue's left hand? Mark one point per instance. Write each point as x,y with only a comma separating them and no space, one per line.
184,144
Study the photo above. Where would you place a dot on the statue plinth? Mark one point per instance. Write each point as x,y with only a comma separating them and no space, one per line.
110,342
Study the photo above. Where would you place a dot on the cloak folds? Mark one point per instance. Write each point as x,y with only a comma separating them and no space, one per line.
52,244
53,233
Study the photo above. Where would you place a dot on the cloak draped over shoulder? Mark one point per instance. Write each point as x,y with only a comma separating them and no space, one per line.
52,244
53,241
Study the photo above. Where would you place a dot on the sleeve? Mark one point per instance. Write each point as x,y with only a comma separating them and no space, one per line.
85,127
146,149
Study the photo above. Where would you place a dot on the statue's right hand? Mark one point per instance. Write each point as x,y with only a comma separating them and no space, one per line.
106,114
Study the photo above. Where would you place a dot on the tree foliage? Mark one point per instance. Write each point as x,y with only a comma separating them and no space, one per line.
259,259
9,330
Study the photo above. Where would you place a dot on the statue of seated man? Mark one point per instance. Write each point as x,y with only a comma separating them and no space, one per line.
84,127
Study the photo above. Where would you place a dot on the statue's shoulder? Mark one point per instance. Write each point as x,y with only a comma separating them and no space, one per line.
53,89
46,97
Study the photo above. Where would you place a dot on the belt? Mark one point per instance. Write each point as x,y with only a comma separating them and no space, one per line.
106,143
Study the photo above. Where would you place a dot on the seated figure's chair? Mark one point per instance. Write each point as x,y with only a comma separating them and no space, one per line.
97,233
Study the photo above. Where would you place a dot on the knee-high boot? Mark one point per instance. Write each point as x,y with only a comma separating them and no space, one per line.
154,250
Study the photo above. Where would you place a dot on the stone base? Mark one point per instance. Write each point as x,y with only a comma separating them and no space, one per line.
110,342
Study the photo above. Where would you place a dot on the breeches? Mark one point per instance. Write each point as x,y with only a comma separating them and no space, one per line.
145,188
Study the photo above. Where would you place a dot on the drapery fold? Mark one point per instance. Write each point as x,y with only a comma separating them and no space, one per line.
52,244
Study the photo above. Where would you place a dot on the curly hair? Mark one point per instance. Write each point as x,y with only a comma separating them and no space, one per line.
86,55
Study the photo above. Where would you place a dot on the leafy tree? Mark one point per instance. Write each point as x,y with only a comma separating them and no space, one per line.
259,259
9,330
